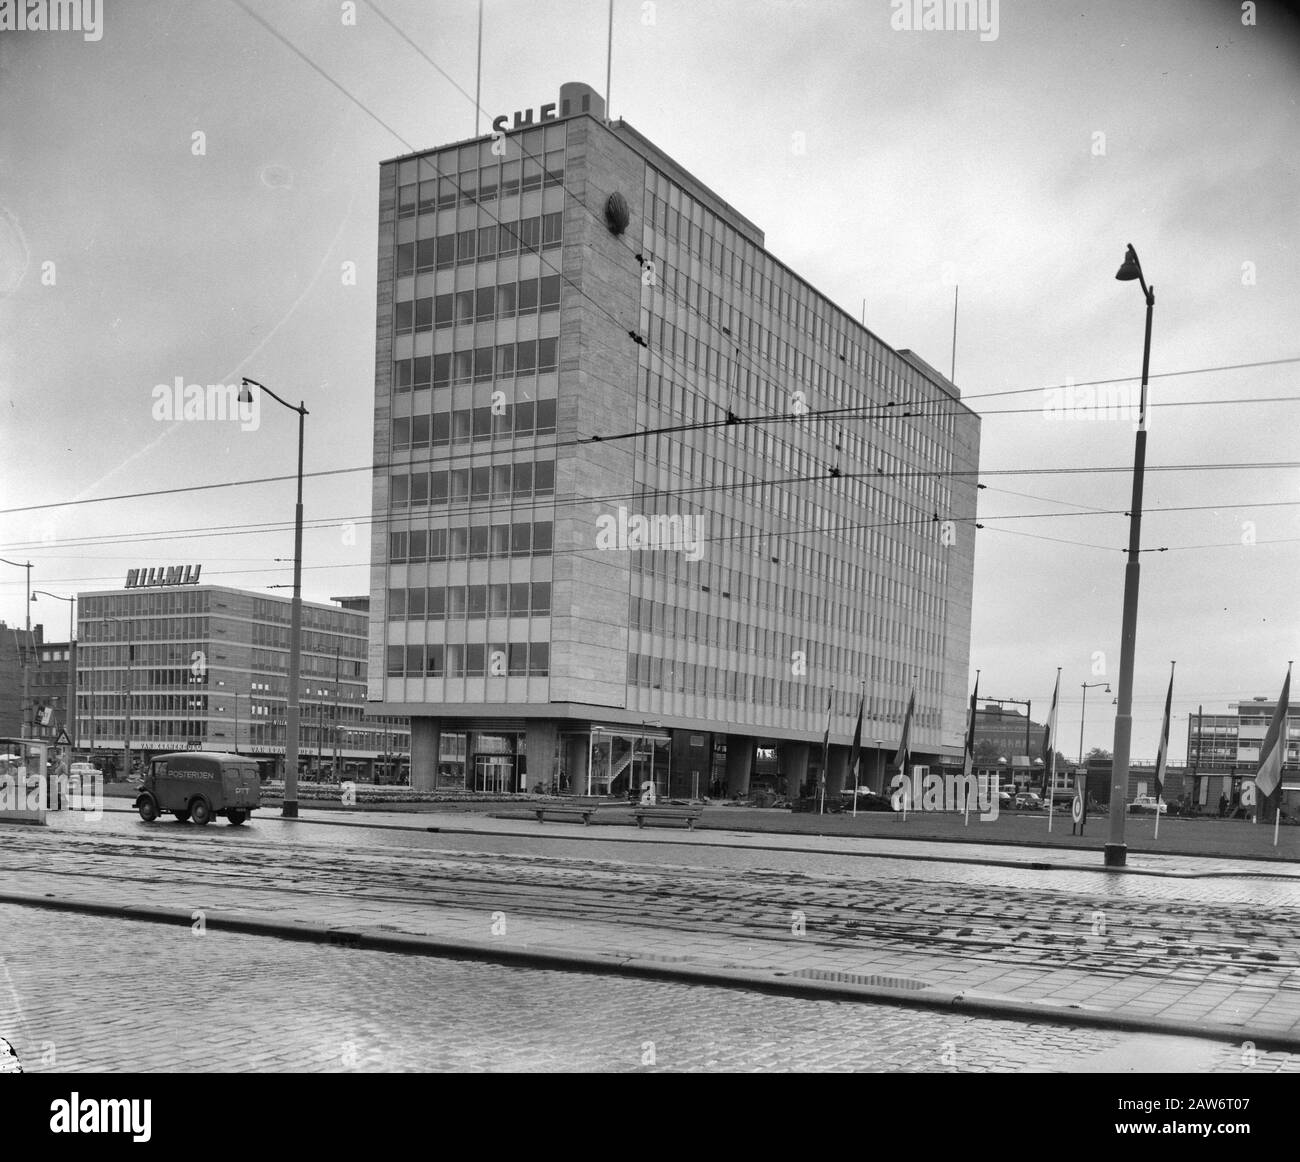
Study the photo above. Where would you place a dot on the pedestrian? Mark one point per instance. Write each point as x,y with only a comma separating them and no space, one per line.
1223,805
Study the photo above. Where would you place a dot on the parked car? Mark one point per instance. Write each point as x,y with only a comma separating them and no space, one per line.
868,801
1146,805
1028,801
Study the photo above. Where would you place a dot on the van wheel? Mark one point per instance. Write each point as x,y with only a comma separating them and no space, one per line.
236,817
200,812
181,816
148,809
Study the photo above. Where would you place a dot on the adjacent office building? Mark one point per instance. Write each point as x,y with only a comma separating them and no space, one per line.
165,665
1223,751
645,502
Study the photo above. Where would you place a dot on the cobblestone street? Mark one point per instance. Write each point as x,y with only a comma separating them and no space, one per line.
82,993
1216,952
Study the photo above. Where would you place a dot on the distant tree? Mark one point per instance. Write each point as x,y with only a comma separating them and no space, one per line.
1098,752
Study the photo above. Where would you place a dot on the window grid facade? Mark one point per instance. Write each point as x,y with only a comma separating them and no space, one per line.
803,584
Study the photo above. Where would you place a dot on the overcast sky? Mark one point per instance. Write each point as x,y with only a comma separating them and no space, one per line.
883,164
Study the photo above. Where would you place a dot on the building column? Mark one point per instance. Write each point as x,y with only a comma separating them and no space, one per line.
740,764
539,746
793,758
425,736
577,762
837,766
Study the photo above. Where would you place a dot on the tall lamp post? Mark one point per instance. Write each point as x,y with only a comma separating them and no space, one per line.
290,808
1084,712
70,717
23,710
1116,851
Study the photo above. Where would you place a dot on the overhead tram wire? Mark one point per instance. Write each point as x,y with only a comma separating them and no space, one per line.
366,519
543,260
879,474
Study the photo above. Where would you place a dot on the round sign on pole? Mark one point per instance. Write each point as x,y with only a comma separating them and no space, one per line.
1076,809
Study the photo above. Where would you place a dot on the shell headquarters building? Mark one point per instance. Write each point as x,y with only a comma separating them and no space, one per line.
647,506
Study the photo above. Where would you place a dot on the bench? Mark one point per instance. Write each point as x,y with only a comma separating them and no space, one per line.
586,807
688,814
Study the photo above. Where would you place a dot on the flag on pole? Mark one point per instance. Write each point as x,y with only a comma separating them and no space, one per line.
855,750
968,758
826,743
1268,779
904,745
968,751
1049,738
1162,755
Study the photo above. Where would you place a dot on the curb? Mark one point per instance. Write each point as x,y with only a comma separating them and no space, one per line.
817,984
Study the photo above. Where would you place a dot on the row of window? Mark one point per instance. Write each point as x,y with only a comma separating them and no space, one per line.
478,186
482,305
454,602
482,365
456,485
334,621
153,602
708,681
901,628
144,629
480,243
474,660
461,542
466,425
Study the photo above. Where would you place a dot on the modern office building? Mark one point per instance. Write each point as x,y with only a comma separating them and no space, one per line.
165,665
645,502
1223,750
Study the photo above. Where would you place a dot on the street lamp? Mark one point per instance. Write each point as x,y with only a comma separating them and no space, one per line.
1116,851
1083,714
71,715
290,808
26,726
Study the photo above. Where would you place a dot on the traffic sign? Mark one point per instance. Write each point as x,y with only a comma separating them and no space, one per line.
62,739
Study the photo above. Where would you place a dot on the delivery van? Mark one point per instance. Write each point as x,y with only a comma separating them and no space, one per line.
196,785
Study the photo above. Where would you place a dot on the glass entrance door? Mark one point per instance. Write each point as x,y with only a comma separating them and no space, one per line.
494,774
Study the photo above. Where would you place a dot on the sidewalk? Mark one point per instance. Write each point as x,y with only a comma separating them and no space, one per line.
1161,966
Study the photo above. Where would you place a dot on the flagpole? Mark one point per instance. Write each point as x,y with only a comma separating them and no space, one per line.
862,694
1050,759
478,72
826,738
968,759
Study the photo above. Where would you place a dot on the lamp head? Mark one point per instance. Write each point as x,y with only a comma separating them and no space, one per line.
245,393
1130,269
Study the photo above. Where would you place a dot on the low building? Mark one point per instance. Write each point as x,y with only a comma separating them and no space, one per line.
166,665
1223,752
